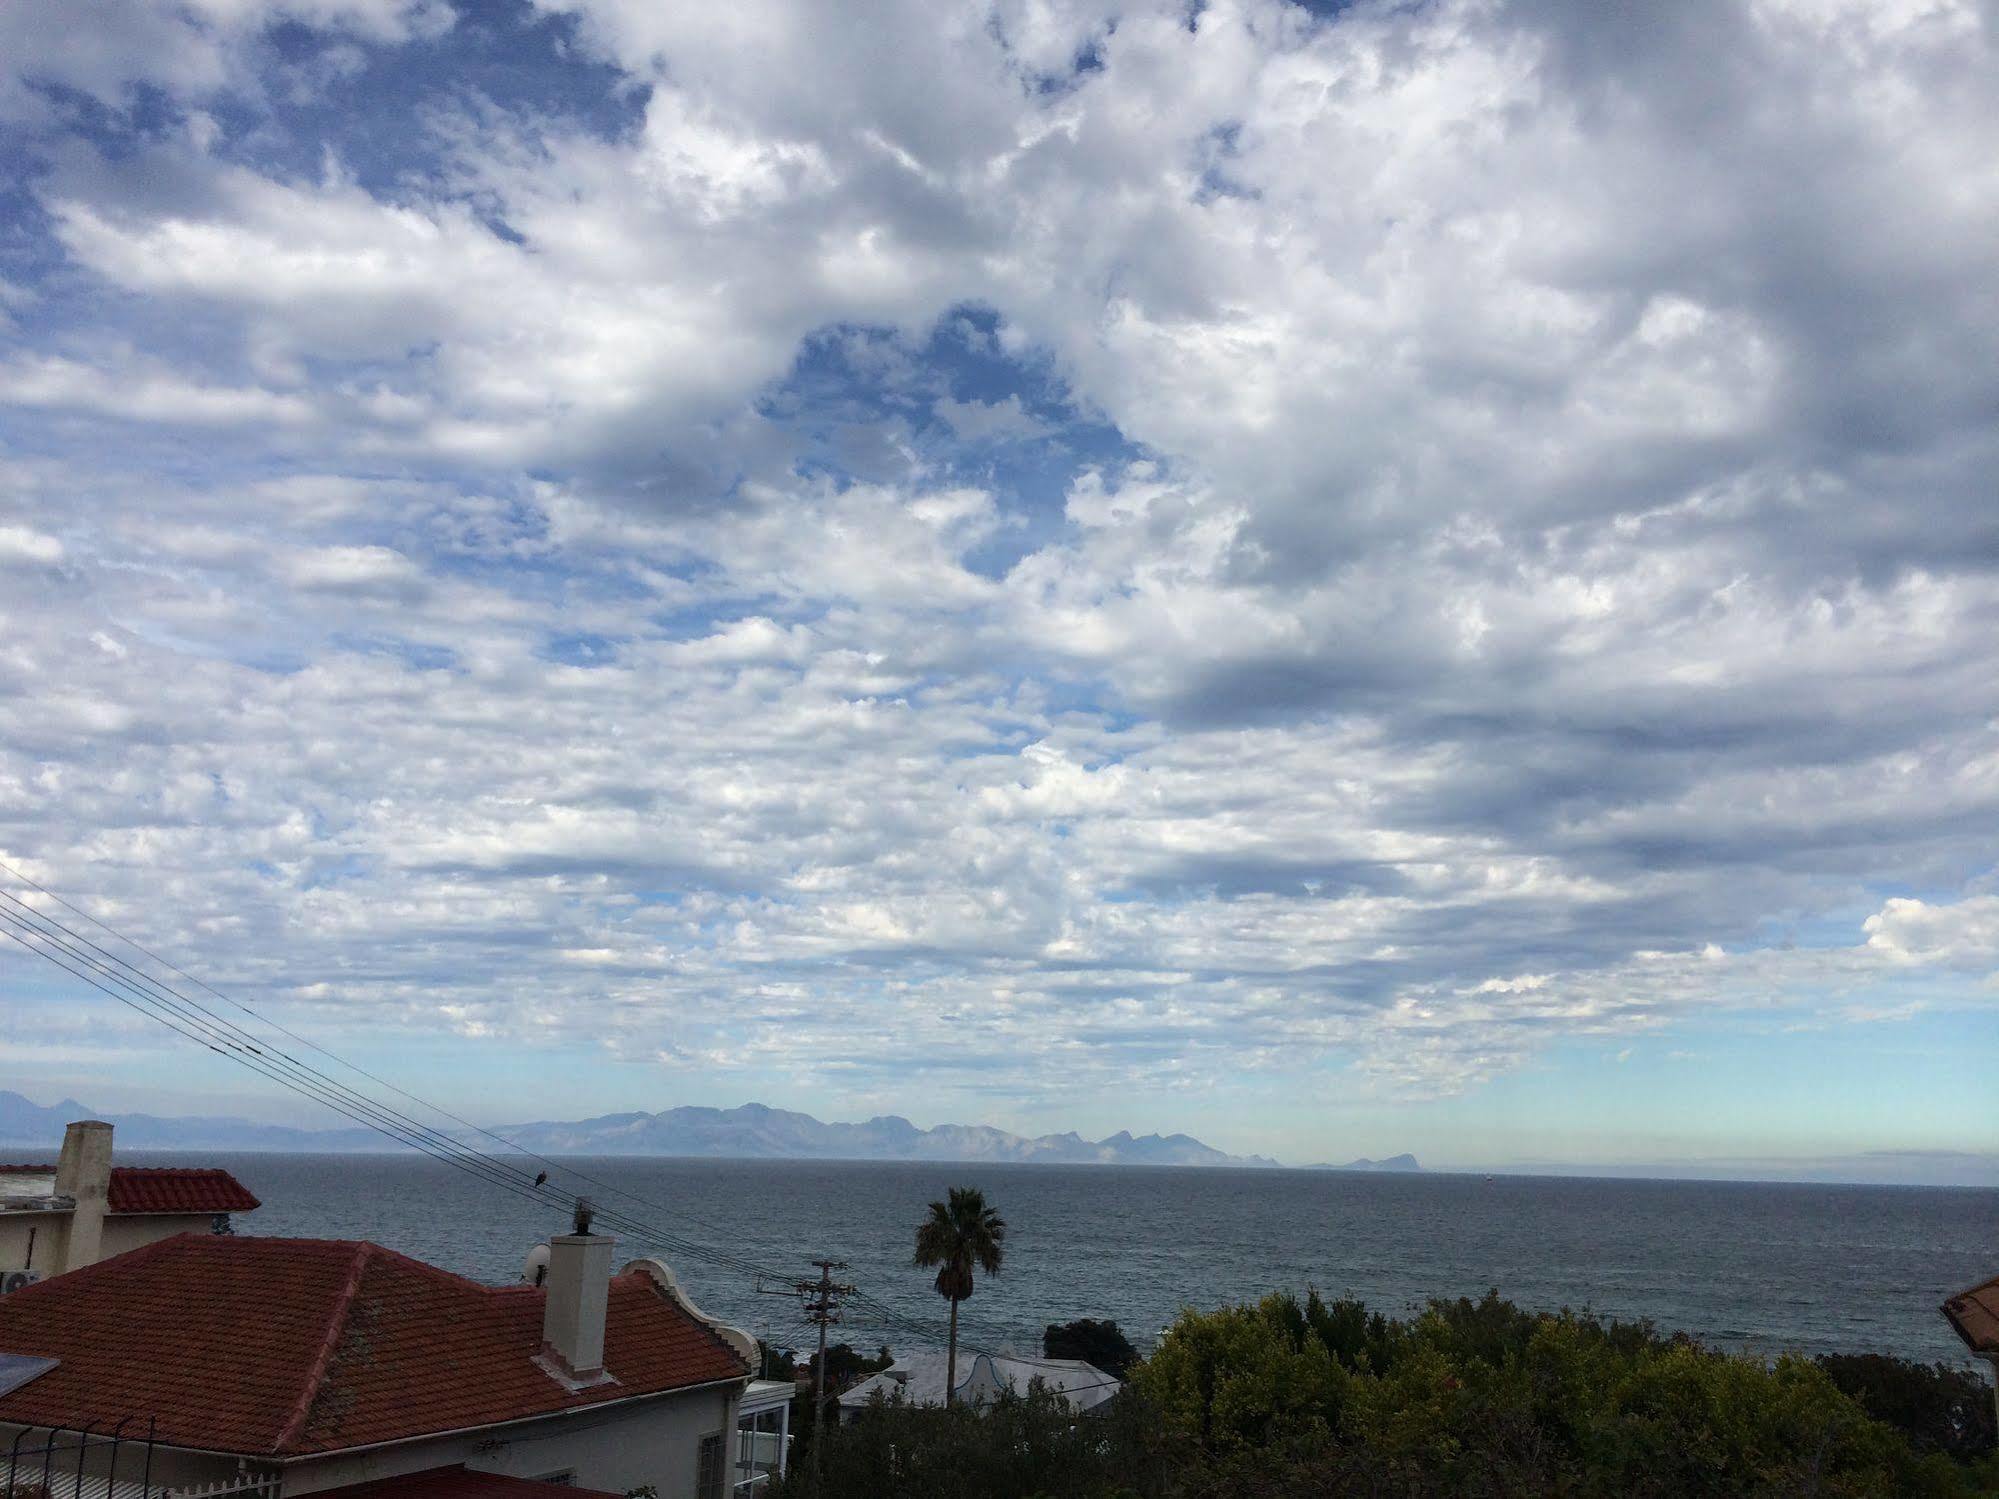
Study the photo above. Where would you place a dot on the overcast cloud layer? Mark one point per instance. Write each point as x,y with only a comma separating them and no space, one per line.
974,558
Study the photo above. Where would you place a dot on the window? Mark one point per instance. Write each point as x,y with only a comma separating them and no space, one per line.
708,1468
760,1442
566,1477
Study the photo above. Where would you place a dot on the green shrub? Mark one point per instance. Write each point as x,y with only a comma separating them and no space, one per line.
1287,1398
1100,1344
1940,1409
1477,1397
1028,1445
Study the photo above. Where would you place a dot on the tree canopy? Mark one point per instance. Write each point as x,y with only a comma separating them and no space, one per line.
1288,1398
1102,1344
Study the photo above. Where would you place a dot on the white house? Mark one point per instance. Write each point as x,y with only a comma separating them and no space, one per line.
918,1379
282,1367
84,1209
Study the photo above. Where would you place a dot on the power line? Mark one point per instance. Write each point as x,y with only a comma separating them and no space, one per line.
173,967
80,966
159,1002
822,1298
109,973
553,1165
225,1036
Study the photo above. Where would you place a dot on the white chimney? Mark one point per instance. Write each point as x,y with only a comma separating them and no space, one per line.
578,1286
83,1172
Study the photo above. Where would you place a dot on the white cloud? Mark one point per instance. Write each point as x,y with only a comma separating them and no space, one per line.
348,569
1554,553
22,544
746,641
1962,933
140,393
106,48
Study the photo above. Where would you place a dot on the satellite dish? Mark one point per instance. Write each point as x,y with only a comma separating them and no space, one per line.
534,1269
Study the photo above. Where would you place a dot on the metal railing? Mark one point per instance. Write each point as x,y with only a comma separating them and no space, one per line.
112,1460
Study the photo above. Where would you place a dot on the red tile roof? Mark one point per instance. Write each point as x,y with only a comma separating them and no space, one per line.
280,1347
177,1189
1975,1315
461,1483
165,1189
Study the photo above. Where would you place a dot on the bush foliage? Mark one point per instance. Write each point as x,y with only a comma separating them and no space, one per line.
1292,1398
1102,1344
1942,1409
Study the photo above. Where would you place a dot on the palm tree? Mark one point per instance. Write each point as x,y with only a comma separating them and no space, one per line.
955,1237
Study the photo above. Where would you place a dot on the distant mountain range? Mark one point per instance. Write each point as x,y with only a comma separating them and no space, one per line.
25,1124
756,1130
753,1131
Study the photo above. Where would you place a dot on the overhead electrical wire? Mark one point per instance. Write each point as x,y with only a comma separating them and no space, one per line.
140,991
111,975
263,1019
200,1024
229,1039
107,982
197,1023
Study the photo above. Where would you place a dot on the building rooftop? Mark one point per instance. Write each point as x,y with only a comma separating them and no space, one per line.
283,1347
918,1379
461,1483
1975,1315
134,1189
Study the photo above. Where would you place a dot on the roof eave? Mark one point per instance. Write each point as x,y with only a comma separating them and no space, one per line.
174,1212
317,1454
289,1459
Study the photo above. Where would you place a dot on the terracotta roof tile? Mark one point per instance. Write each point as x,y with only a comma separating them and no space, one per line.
278,1347
461,1483
177,1189
165,1189
1975,1315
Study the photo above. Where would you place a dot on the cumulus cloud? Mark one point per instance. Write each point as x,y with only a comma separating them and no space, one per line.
1963,933
142,394
23,545
1028,545
108,49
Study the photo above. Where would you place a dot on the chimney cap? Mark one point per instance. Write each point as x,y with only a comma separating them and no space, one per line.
585,1214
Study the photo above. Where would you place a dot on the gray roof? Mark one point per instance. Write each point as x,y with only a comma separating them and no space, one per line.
918,1379
16,1369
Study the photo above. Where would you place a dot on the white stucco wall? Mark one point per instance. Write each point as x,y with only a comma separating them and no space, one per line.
122,1232
50,1232
652,1441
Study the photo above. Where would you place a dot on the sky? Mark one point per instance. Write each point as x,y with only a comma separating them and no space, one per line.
1402,576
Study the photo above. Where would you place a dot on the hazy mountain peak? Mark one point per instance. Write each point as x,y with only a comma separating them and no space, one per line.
754,1130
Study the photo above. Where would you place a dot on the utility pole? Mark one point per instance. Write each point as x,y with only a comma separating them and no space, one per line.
821,1299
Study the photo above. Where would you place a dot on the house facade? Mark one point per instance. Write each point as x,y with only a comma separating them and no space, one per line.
84,1208
285,1367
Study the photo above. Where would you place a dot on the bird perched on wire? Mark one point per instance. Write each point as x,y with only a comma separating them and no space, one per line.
541,1180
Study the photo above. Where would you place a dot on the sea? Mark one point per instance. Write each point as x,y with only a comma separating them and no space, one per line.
1759,1268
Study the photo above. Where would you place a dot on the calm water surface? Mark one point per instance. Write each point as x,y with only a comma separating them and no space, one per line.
1751,1266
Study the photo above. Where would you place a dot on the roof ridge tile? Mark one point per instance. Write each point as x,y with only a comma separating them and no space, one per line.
336,1326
